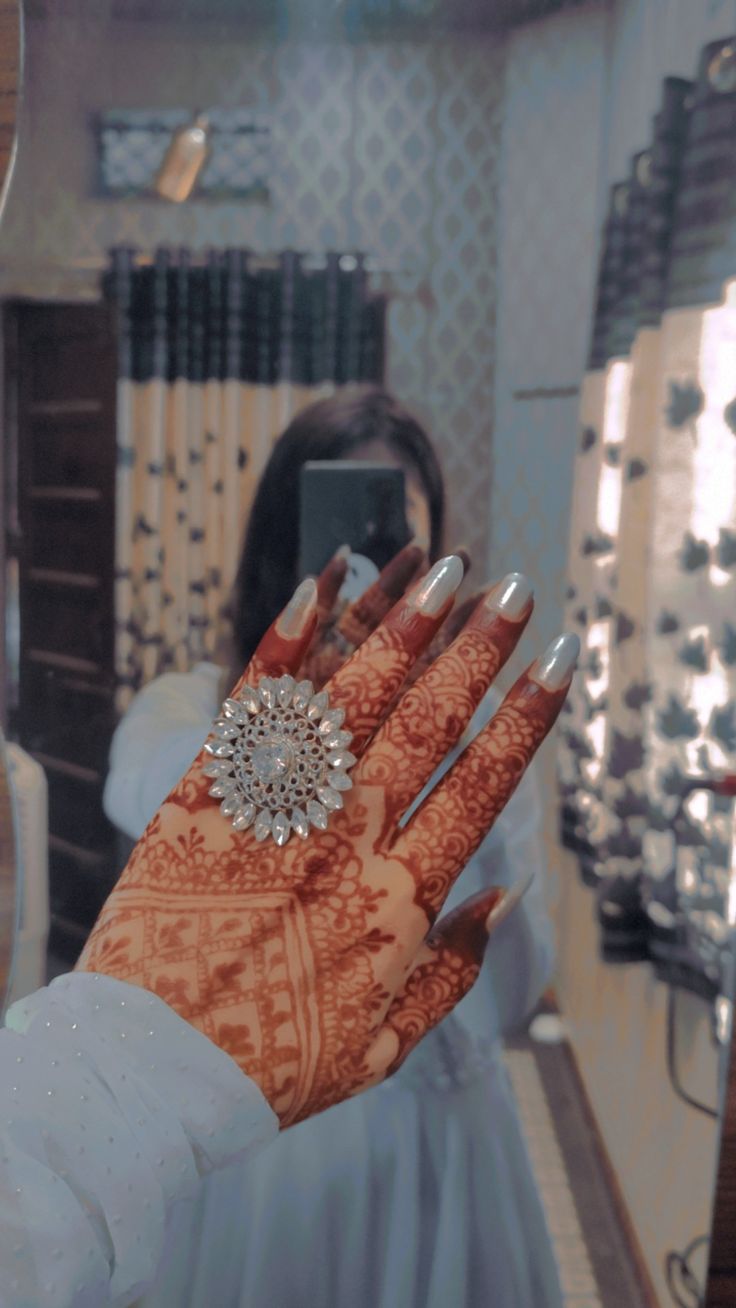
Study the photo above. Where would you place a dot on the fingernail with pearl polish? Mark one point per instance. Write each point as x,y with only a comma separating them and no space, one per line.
293,621
553,669
507,904
439,585
511,597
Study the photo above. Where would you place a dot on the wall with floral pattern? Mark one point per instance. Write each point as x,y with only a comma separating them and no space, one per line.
391,148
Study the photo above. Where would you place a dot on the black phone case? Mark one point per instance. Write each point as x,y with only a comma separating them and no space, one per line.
362,505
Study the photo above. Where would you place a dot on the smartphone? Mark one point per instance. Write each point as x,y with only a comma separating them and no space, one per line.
362,505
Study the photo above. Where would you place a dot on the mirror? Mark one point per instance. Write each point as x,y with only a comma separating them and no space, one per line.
416,193
9,87
8,877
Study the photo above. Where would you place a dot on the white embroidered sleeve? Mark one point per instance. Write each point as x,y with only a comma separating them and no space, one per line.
111,1107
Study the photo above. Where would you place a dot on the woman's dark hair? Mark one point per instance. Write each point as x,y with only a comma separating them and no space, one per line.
329,429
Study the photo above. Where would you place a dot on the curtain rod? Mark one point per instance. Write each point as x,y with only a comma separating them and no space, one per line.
403,280
313,263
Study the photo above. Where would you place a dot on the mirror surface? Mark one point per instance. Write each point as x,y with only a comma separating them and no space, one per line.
443,172
8,877
9,88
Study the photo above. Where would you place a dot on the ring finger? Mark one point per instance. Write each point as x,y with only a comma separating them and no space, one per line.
446,830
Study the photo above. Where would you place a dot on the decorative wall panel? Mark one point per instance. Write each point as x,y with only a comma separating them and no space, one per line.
391,148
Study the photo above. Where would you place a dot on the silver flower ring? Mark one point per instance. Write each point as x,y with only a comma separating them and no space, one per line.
279,759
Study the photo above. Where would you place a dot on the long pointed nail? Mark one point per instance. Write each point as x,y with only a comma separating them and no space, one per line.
511,597
506,904
553,669
344,552
439,585
293,621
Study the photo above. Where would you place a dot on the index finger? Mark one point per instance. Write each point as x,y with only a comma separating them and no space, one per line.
279,653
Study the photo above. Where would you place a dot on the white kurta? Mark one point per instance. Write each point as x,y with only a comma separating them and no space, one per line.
111,1108
417,1194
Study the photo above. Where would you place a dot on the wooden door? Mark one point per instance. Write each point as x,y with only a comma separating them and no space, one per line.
60,407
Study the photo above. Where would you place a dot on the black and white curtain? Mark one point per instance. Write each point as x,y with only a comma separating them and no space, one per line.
652,567
215,358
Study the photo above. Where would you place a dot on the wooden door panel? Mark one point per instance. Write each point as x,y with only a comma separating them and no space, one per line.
61,383
75,814
67,531
65,450
67,722
70,354
78,891
65,618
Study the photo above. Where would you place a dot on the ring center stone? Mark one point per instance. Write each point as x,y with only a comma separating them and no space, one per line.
273,759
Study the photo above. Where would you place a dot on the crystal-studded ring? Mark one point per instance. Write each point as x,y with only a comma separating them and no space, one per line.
279,759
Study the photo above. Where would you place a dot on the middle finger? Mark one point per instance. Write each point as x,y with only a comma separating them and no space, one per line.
367,685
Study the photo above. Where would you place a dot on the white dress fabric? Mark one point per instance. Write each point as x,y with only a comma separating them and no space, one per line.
417,1194
111,1108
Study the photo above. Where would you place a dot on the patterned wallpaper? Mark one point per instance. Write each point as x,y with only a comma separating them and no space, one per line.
390,148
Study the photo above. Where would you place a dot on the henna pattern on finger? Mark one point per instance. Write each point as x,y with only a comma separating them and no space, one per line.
329,654
436,710
329,584
363,616
441,973
369,683
446,831
322,658
341,636
449,632
447,966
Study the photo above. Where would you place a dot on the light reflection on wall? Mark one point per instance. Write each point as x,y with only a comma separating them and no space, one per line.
618,390
713,507
689,729
714,455
731,909
608,512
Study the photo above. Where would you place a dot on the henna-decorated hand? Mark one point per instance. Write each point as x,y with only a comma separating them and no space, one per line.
316,965
447,633
341,629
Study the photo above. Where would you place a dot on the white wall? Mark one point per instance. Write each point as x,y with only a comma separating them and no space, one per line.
649,40
582,89
548,234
